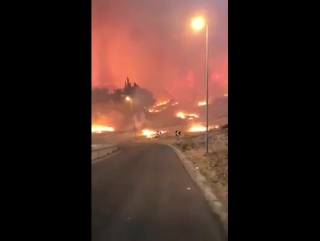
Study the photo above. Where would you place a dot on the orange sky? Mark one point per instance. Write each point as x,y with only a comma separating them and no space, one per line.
152,44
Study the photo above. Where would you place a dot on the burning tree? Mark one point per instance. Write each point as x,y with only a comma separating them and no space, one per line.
104,102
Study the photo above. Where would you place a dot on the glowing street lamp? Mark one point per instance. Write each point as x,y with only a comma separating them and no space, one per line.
197,24
134,125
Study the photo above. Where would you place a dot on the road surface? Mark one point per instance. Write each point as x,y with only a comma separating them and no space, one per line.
144,193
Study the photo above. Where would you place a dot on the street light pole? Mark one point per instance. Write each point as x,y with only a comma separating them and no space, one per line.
197,24
134,124
207,89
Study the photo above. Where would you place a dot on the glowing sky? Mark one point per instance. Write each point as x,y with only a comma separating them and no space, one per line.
152,43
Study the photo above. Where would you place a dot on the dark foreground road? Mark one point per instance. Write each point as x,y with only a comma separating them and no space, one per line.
144,193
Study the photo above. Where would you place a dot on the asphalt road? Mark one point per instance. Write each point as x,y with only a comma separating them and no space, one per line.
144,193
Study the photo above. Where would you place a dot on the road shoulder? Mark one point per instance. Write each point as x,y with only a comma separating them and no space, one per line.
215,204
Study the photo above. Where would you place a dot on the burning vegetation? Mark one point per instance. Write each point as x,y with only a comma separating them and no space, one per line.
183,115
112,111
161,106
151,133
100,129
200,128
202,103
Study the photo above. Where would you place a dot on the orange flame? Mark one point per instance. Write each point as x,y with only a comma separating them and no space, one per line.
197,128
150,133
185,115
161,106
99,128
181,115
200,128
162,103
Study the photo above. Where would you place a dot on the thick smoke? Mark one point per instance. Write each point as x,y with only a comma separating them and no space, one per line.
151,42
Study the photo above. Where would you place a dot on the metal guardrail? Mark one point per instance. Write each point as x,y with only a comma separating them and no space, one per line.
104,151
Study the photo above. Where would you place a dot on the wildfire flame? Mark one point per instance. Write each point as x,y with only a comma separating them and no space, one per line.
200,128
161,106
184,115
181,115
154,111
197,128
162,103
150,133
202,103
99,128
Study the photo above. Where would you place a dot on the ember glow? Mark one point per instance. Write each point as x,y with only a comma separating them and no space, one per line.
202,103
152,110
100,129
175,103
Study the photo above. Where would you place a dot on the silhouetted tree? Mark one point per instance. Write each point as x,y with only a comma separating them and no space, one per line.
128,89
141,97
144,98
117,96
